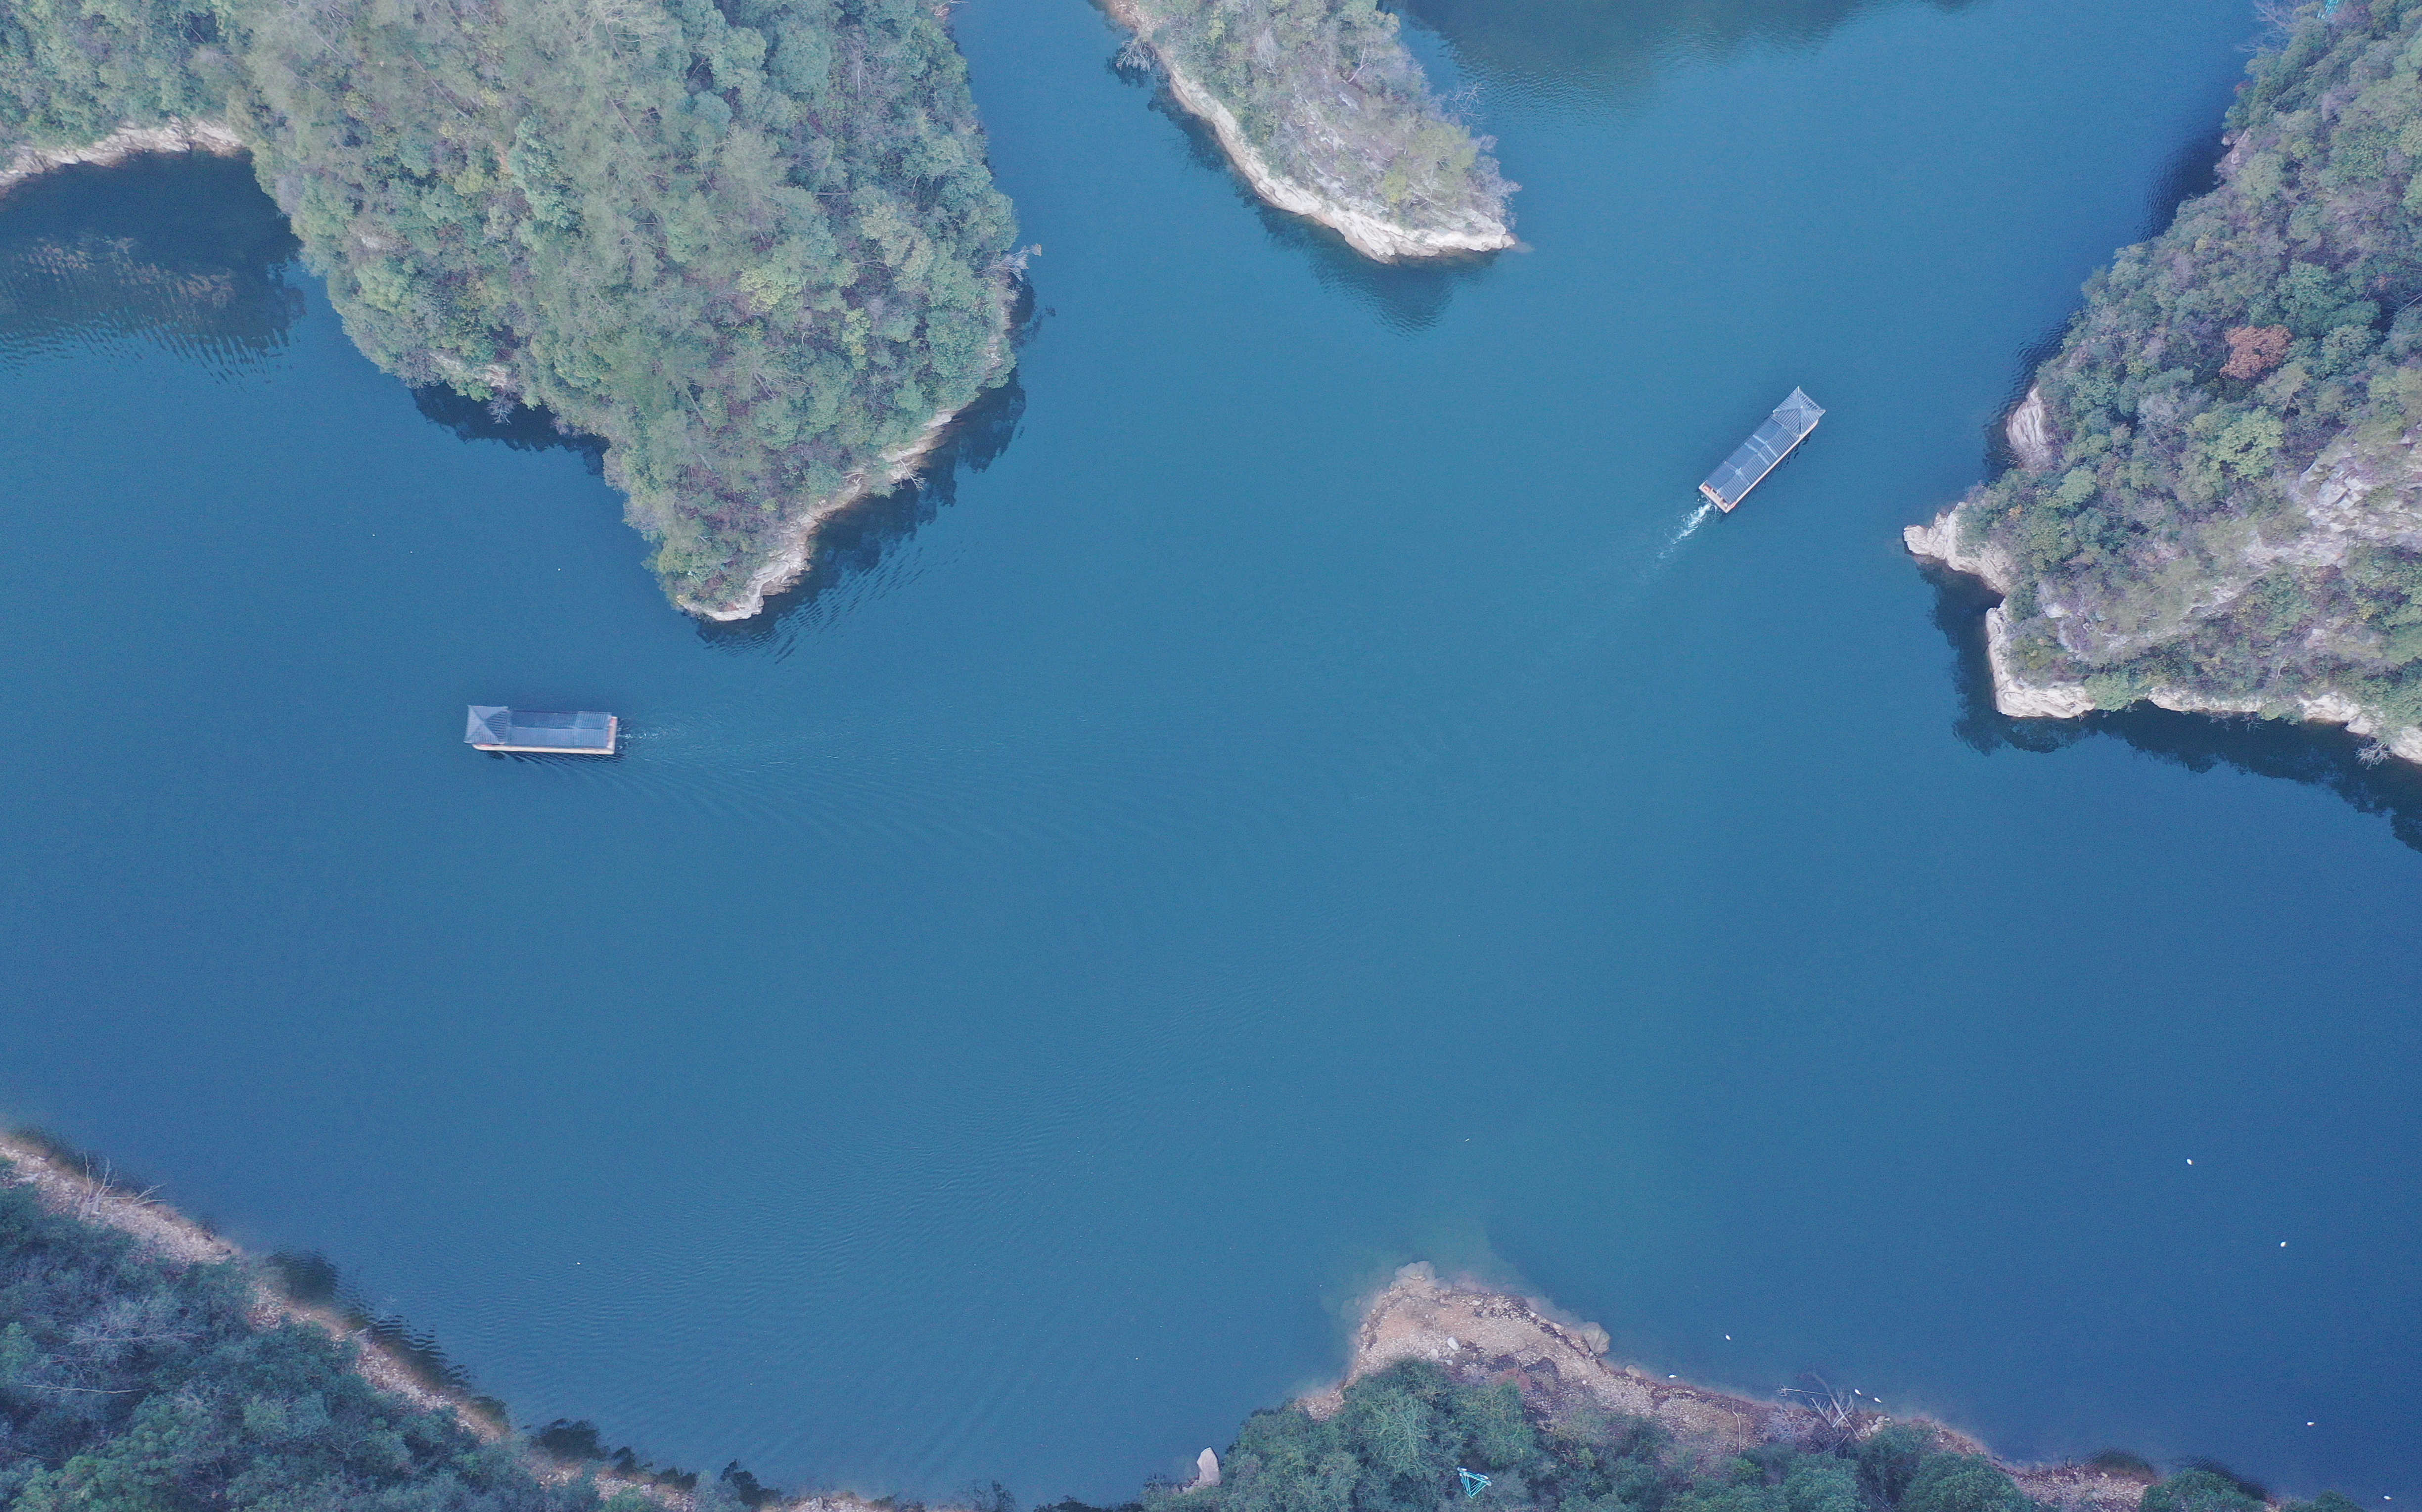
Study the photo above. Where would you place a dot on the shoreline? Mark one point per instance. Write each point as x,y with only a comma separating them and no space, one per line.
30,163
1378,239
1474,1332
61,1185
97,1199
797,554
1938,542
64,1183
788,565
1479,1333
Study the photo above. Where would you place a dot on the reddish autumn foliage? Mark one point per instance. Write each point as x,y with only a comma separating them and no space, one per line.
2254,350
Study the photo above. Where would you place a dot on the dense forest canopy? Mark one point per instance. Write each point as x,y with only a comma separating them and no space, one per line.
2227,506
1326,91
131,1383
71,72
754,246
1404,1435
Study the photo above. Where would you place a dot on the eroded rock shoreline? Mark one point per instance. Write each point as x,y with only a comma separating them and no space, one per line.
2331,492
126,142
1475,1332
1374,236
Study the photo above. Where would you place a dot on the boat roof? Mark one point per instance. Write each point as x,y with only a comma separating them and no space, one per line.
1754,458
495,725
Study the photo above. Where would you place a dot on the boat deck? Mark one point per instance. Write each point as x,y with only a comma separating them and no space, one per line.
542,732
1763,452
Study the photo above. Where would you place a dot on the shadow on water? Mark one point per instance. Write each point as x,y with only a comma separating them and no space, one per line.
2323,756
1609,53
522,426
182,251
1408,297
850,548
2193,169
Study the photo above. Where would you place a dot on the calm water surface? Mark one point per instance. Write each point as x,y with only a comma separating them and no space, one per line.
1292,801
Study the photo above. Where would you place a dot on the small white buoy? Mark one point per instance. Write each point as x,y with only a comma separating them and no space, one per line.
1728,1338
2190,1159
2283,1244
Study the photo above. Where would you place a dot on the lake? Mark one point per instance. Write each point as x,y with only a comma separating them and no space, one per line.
1293,796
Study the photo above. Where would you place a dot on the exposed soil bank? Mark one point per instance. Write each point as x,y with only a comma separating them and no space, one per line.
120,144
1479,1333
1374,236
65,1185
1475,1332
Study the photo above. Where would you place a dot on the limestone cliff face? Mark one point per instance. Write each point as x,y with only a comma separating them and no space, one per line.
2030,432
2347,498
2012,693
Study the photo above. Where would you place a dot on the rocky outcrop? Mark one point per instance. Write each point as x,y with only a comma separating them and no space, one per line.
1374,236
2029,429
120,144
1477,1332
2013,695
2347,498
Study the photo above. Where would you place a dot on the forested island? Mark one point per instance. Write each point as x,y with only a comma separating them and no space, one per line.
148,1366
2216,505
1327,115
754,247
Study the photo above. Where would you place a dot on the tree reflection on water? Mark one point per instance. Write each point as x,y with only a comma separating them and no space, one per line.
2324,756
1609,52
183,252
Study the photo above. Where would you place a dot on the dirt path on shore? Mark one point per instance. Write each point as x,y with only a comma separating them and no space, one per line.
66,1187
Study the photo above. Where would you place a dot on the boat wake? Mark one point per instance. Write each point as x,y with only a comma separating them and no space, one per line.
1698,517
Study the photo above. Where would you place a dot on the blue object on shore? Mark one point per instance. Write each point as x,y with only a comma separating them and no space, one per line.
1473,1482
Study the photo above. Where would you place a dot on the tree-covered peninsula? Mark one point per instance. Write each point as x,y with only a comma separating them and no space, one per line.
1327,115
753,246
2217,504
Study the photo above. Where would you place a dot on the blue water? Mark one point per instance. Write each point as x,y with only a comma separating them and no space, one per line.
1302,804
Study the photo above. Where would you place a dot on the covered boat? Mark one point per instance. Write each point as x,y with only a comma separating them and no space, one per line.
1754,458
544,732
